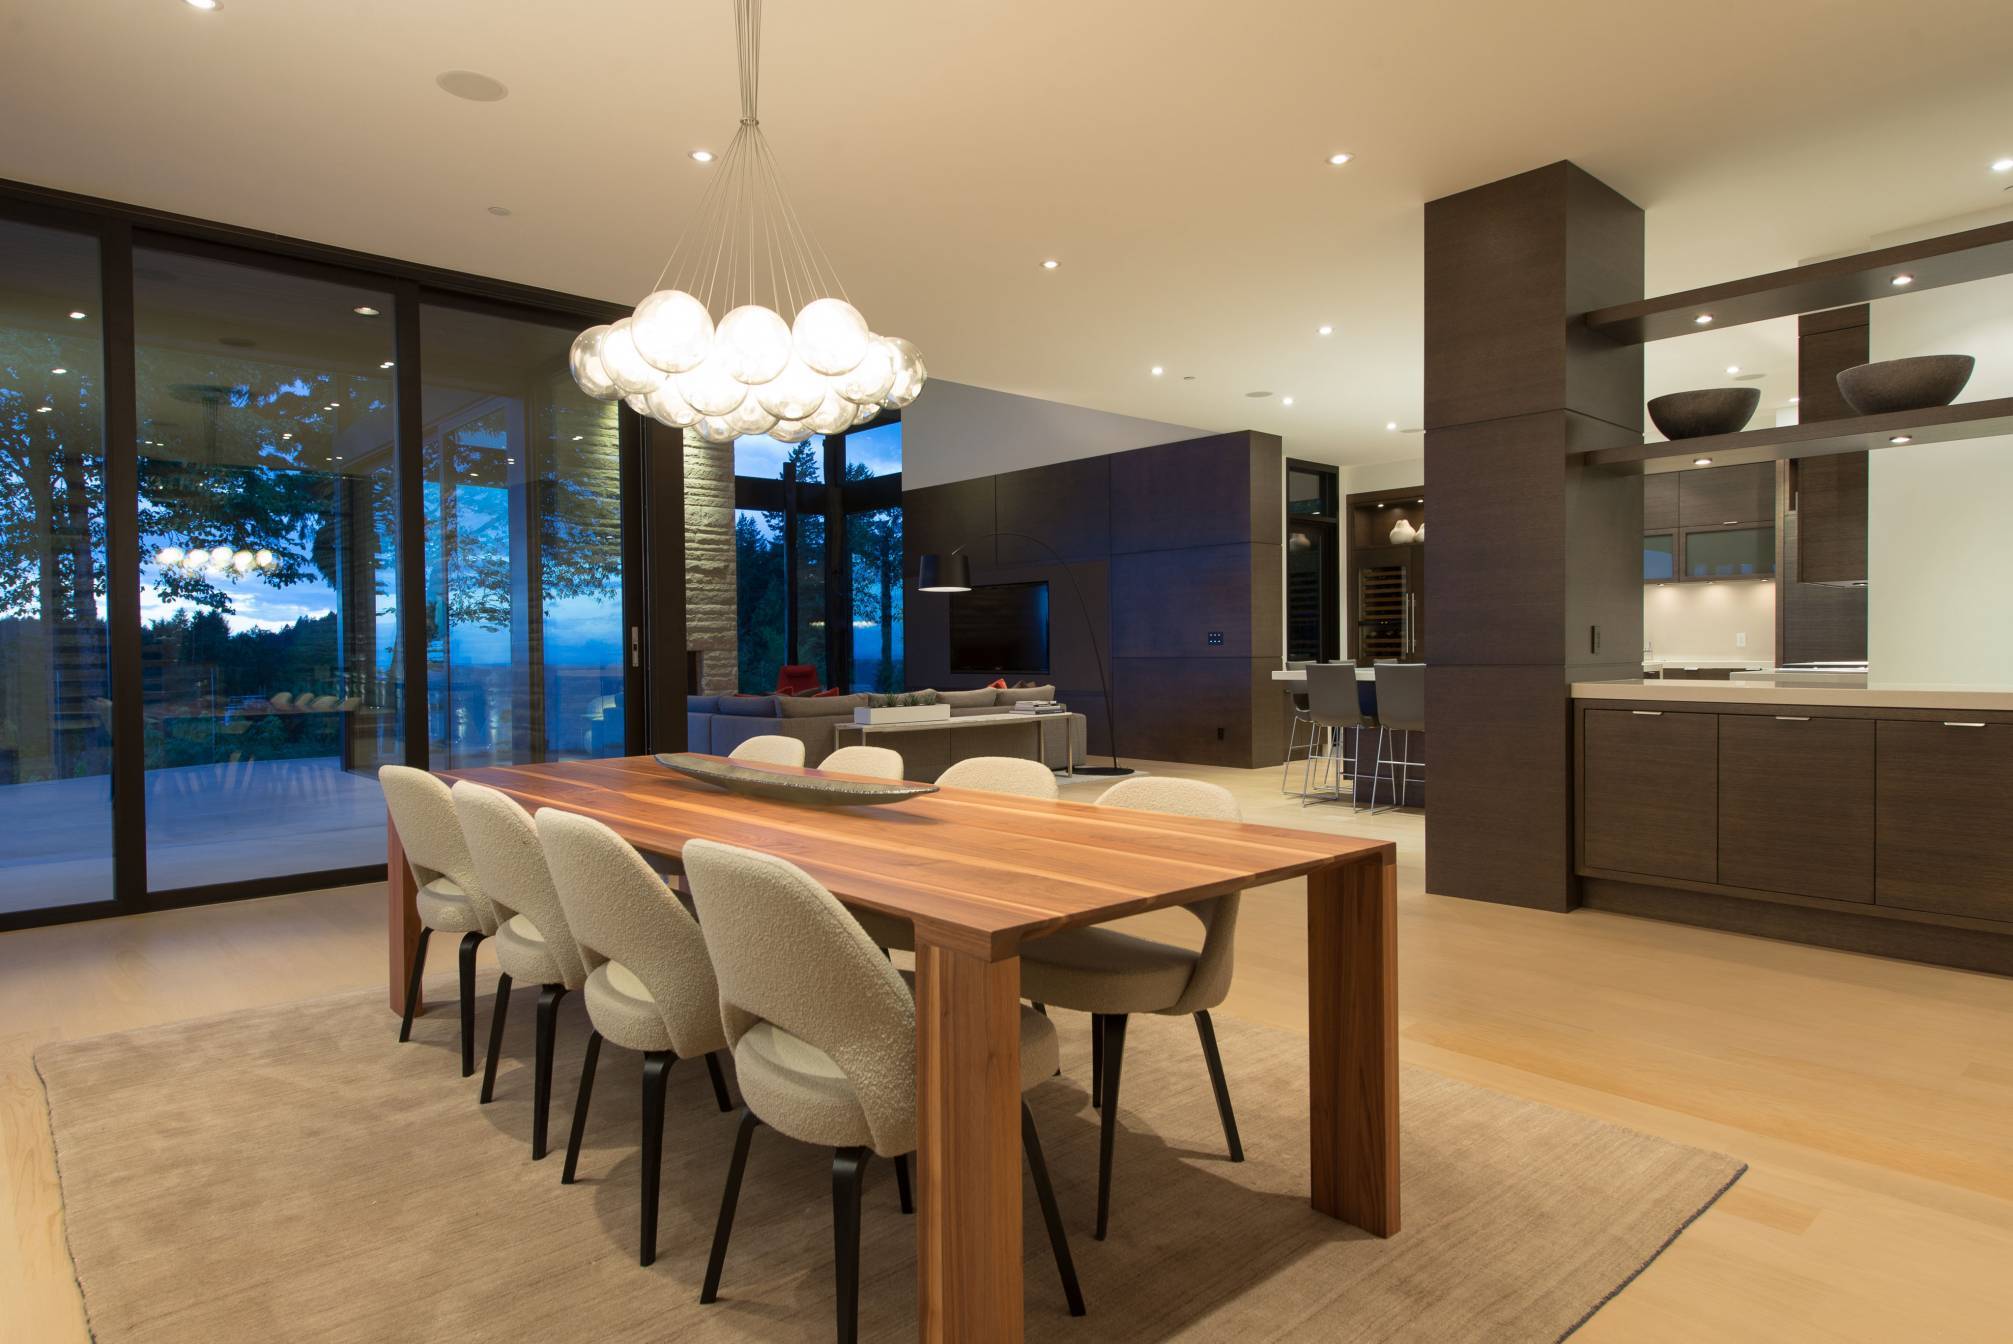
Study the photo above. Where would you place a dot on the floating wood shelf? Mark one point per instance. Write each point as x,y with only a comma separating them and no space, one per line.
1938,424
1975,254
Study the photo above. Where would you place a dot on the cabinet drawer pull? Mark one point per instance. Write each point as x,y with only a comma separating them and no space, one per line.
1948,724
1647,713
1792,718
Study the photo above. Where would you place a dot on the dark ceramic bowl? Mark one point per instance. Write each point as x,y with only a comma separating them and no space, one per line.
1913,384
1711,410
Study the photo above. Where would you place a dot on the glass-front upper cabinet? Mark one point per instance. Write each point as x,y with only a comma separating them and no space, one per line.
1729,552
1659,556
268,569
55,685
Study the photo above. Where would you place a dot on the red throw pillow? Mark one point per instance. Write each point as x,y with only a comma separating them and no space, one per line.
996,684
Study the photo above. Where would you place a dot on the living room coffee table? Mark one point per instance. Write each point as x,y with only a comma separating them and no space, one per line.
1033,721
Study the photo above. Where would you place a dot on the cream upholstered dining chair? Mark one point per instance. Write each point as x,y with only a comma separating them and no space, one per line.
769,749
987,774
1001,774
450,895
879,762
1111,975
650,987
533,941
823,1032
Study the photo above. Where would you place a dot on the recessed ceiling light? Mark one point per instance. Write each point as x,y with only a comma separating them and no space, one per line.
1900,281
1902,438
2002,165
1337,160
702,156
364,310
1733,369
1156,370
500,211
1390,424
1050,264
387,364
1324,330
59,370
1703,319
475,87
204,4
76,316
1286,401
1701,461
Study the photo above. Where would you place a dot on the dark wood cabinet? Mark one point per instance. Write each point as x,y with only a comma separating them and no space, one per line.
1743,494
1650,791
1796,804
1945,832
1660,501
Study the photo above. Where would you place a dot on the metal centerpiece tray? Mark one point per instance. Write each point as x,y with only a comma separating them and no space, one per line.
812,790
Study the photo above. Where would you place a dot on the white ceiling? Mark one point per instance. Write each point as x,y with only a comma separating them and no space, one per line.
1171,155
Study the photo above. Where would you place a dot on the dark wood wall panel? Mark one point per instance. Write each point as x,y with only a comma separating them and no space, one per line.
1744,494
1198,710
1067,505
1498,553
1193,493
1820,623
1499,785
1166,603
1660,501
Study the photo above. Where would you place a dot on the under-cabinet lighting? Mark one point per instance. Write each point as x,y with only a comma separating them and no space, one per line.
1902,281
1701,461
1902,438
1703,319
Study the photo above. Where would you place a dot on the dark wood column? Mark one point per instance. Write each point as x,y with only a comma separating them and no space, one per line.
1537,566
1821,574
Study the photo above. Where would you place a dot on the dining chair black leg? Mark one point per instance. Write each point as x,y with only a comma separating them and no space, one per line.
1114,1058
719,1081
1207,1031
1039,1007
412,985
469,942
849,1170
738,1164
656,1075
579,1130
541,1086
1058,1239
902,1184
1096,1060
495,1036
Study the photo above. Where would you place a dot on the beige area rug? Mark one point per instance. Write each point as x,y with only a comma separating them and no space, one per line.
294,1173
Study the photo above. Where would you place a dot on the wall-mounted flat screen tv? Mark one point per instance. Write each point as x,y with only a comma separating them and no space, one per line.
1000,627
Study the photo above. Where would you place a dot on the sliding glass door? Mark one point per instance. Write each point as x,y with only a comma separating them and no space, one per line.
523,499
55,683
268,577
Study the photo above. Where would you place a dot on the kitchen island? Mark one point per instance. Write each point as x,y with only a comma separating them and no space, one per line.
1872,816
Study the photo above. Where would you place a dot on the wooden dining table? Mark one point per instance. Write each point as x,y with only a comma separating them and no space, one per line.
980,875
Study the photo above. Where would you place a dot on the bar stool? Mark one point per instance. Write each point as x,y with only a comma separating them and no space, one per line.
1332,704
1300,716
1401,708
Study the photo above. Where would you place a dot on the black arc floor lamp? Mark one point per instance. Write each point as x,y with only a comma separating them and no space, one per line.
953,574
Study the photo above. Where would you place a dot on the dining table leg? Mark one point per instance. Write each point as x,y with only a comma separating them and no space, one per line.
968,1191
1352,1029
402,914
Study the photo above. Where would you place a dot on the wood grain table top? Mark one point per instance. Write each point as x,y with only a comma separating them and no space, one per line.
978,872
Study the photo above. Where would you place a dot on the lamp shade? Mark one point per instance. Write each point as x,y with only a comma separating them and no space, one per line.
944,574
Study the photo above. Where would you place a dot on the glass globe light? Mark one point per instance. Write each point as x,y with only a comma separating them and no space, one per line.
667,407
750,418
588,371
168,557
639,403
715,429
790,431
865,411
672,330
634,375
219,557
795,392
833,416
195,560
830,336
752,344
710,389
910,375
263,558
873,377
242,562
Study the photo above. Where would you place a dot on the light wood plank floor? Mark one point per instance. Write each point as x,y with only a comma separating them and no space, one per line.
1874,1099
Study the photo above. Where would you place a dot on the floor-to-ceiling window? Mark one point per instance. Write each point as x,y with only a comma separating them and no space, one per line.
818,558
267,598
524,631
55,722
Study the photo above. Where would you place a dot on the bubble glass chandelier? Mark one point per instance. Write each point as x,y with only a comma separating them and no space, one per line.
747,257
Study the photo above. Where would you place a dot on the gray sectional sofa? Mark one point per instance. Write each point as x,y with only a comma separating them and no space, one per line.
716,724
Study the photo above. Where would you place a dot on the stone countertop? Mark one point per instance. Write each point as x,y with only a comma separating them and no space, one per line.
1858,691
1656,662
